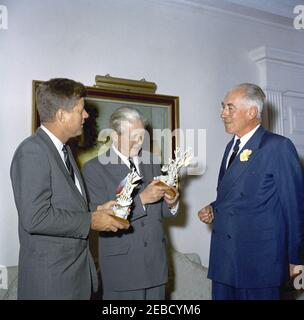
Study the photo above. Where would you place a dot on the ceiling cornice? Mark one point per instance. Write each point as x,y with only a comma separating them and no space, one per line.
236,10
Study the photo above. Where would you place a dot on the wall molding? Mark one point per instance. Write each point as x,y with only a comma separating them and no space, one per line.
268,54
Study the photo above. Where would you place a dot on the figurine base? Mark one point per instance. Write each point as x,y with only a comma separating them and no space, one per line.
124,221
170,190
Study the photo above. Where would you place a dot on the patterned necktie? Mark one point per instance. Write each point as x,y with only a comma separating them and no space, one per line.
67,162
235,152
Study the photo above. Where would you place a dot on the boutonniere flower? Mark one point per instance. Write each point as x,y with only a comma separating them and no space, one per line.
245,154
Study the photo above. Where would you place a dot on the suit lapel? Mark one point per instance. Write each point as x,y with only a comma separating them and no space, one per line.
78,175
146,173
60,163
114,165
238,167
119,170
224,160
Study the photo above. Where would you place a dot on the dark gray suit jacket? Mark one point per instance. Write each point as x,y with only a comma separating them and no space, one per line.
134,258
54,223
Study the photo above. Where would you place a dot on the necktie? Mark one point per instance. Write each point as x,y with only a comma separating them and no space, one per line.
132,165
67,162
235,151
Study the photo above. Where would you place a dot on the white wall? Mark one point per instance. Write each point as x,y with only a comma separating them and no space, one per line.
188,51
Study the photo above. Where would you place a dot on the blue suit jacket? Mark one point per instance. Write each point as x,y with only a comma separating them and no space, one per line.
258,226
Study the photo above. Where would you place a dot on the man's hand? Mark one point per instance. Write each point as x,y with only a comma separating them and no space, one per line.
152,193
103,220
106,205
206,214
172,201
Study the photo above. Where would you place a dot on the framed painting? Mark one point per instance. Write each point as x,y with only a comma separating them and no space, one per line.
160,111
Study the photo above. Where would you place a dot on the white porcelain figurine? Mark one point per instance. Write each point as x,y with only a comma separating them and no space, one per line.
124,195
172,168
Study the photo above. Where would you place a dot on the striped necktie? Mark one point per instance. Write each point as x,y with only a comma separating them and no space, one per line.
67,162
132,165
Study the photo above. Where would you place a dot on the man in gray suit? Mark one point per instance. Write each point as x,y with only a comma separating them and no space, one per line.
54,220
133,262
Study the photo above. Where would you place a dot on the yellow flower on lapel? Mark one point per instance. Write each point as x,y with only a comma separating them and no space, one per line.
245,154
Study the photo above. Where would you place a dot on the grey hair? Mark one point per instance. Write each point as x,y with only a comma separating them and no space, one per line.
125,114
253,95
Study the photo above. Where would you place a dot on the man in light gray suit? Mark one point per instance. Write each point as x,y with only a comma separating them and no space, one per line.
133,262
54,220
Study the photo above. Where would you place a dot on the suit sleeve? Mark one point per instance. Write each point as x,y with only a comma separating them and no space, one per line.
290,183
95,186
166,212
31,180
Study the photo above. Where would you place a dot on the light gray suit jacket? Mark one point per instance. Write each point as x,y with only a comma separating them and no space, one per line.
54,223
134,258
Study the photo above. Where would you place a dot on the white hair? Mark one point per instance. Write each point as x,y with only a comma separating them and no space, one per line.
124,114
253,95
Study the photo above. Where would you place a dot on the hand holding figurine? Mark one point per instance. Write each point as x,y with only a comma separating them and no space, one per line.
107,205
104,220
172,200
152,193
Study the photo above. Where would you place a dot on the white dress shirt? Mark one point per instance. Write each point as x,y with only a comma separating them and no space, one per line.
58,144
243,140
125,159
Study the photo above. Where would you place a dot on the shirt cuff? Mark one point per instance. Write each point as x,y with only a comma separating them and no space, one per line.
173,210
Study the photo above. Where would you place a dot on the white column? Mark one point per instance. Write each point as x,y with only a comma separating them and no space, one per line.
280,71
274,112
281,77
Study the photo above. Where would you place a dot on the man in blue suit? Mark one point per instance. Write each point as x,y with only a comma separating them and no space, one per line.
258,215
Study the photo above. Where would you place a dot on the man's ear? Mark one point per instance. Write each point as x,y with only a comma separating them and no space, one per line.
253,112
60,115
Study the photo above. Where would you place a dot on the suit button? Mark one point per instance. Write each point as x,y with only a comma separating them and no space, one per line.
145,244
228,236
213,231
215,210
231,214
142,224
242,194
